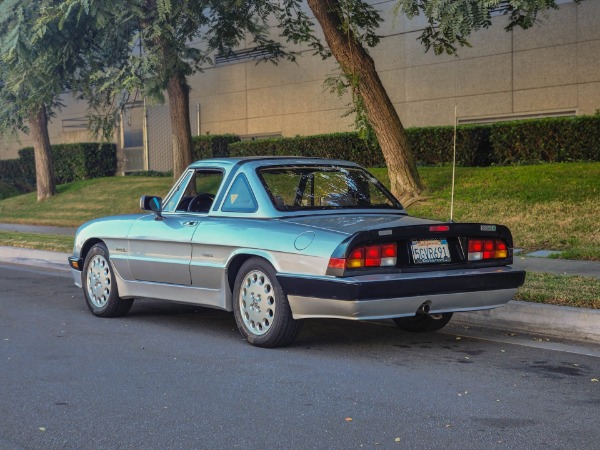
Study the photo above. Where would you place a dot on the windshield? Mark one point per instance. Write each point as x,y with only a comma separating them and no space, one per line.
297,188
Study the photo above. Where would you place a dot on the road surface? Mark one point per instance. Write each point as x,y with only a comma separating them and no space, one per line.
178,376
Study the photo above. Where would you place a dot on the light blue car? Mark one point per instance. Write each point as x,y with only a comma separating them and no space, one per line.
280,240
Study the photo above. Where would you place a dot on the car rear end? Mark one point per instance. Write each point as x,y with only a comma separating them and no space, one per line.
401,271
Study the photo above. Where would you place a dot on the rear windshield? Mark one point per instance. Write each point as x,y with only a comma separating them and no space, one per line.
296,188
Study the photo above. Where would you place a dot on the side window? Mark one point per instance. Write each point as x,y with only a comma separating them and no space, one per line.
240,197
173,200
200,191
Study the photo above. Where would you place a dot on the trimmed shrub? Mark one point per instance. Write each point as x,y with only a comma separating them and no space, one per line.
549,140
212,145
434,145
18,173
347,146
8,190
80,161
71,162
518,142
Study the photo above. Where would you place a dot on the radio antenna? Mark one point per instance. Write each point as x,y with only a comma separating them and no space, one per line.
453,165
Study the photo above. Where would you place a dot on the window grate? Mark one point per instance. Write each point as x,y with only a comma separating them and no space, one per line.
251,54
75,124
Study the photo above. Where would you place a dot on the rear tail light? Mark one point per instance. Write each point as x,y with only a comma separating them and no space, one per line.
480,249
384,255
439,228
356,258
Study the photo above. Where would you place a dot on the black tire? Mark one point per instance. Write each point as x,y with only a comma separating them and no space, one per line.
99,285
261,307
423,323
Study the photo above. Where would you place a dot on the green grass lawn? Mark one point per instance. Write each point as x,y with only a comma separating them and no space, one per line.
547,206
81,201
562,290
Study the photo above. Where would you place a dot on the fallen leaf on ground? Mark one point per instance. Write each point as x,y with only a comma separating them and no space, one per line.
348,419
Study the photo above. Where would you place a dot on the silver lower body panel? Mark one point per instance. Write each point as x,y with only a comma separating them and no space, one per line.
310,307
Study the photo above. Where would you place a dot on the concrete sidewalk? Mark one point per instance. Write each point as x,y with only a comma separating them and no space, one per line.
561,322
38,229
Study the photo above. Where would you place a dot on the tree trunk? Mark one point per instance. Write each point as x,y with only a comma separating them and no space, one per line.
179,102
44,170
358,65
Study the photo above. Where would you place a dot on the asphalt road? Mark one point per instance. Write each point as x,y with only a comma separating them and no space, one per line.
176,376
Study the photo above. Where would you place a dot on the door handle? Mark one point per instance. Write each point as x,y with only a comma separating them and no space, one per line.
189,223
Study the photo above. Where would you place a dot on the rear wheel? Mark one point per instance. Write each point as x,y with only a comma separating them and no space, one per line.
261,308
100,287
423,323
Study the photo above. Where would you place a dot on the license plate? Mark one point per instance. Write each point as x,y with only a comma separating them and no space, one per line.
427,251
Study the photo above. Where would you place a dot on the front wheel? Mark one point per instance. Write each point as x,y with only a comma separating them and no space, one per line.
100,286
423,323
261,308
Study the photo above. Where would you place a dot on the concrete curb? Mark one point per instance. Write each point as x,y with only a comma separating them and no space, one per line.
30,257
579,324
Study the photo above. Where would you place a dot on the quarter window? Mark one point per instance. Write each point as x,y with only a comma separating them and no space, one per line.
240,197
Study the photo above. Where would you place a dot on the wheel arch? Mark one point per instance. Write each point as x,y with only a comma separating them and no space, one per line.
233,267
85,248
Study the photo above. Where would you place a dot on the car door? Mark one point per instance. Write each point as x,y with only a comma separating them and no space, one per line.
160,248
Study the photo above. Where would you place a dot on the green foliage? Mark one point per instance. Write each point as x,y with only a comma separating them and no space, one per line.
550,140
518,142
348,146
434,145
143,44
35,71
72,162
212,145
18,173
449,23
151,173
8,190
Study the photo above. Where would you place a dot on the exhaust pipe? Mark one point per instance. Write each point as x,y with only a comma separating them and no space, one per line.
424,309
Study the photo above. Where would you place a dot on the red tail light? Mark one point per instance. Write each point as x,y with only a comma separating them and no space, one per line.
487,249
384,255
356,258
373,256
439,228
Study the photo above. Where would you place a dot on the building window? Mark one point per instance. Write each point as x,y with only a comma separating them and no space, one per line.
250,54
75,124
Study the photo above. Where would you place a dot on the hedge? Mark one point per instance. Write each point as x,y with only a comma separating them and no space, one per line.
212,145
347,146
550,140
71,162
18,174
434,145
518,142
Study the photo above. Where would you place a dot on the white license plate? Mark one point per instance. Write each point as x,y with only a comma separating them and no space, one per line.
427,251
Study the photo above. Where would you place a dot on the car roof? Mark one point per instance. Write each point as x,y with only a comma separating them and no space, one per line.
270,161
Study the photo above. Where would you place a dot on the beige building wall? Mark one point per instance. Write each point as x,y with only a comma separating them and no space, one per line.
69,125
551,69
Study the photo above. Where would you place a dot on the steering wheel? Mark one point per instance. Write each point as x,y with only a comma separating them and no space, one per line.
201,203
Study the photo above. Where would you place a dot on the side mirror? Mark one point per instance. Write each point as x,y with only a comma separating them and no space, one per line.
151,203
